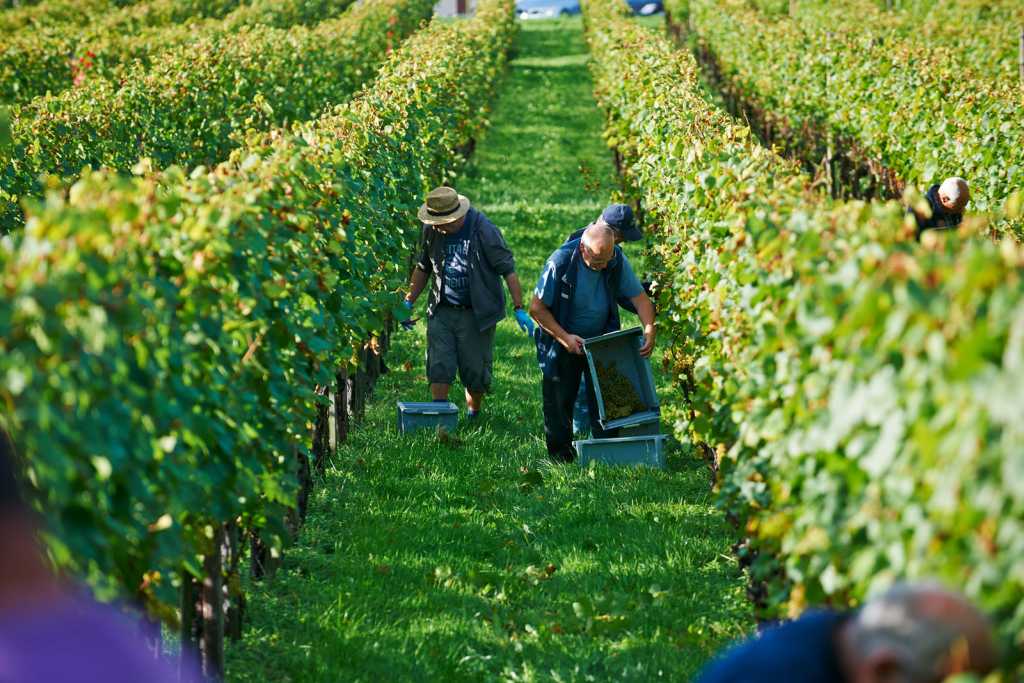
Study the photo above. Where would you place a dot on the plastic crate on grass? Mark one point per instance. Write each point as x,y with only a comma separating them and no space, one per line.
431,414
640,424
622,350
633,450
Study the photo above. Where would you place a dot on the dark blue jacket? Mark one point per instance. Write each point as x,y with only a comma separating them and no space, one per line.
490,259
800,651
941,218
567,261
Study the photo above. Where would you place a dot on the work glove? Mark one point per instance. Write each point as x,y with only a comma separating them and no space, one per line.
525,322
408,323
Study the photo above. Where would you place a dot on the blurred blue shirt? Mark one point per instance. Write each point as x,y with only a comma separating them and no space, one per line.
799,651
76,640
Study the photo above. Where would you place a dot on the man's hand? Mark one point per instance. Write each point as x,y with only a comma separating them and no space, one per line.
572,343
525,322
408,323
648,345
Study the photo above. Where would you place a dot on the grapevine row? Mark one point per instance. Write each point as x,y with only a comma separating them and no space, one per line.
49,12
192,107
855,386
174,391
981,36
54,58
825,87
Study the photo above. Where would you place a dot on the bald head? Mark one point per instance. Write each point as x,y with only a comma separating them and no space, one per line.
598,246
954,194
917,633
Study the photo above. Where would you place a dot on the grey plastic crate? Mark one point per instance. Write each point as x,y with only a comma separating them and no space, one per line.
432,414
622,349
633,450
641,424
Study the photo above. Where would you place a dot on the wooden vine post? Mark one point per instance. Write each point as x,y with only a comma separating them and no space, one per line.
1020,55
188,632
211,643
341,406
234,595
322,431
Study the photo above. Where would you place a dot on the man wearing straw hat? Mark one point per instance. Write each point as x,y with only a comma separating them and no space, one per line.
467,257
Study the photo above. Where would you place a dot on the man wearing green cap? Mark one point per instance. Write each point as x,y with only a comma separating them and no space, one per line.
467,257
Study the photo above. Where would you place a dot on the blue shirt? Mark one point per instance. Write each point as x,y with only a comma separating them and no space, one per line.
589,314
800,651
455,287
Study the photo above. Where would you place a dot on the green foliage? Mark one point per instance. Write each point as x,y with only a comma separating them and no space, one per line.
54,58
475,559
194,106
161,337
847,80
33,16
862,389
978,35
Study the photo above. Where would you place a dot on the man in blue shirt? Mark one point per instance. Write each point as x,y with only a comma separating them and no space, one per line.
913,633
618,217
577,297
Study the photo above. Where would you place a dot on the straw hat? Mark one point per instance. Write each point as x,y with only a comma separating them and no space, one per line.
443,205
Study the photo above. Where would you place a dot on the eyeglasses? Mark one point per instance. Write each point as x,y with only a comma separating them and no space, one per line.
594,258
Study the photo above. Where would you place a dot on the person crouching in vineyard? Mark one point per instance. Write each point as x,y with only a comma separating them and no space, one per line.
467,257
947,203
618,217
578,296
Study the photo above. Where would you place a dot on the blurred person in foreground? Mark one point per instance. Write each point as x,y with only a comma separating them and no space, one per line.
53,632
946,203
912,633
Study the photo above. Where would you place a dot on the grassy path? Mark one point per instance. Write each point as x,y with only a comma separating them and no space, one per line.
476,559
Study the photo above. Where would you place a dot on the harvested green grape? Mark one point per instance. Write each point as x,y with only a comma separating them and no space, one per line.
619,394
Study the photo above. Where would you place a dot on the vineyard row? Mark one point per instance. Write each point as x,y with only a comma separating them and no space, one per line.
193,107
857,388
171,400
35,63
824,88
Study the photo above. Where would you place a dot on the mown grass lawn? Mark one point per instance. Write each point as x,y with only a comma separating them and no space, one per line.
473,557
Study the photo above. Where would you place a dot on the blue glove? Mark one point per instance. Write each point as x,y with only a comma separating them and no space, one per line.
525,322
408,323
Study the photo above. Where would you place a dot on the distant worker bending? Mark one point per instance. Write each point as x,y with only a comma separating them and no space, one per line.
577,297
947,203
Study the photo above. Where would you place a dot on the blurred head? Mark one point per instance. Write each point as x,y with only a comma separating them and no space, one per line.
597,246
916,633
25,574
954,194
